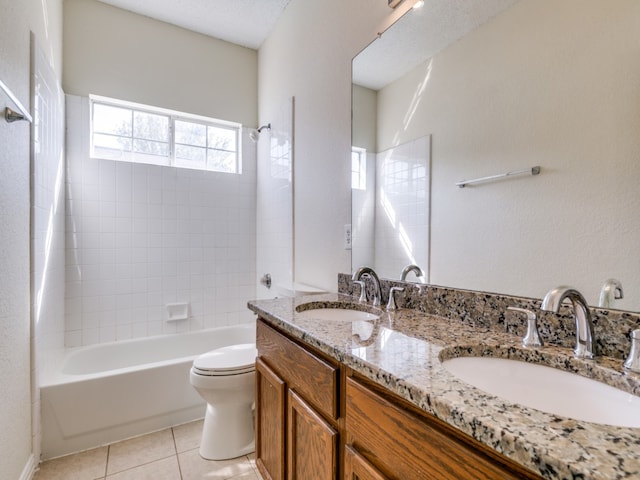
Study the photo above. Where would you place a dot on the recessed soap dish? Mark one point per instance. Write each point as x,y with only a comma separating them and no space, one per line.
177,311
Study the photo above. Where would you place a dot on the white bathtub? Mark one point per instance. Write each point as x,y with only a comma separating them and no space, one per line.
112,391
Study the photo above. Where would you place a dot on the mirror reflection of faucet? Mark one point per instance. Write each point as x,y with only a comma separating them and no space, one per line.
363,291
391,304
411,268
368,272
611,291
358,340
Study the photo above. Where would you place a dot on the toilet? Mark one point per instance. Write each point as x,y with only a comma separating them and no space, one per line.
225,379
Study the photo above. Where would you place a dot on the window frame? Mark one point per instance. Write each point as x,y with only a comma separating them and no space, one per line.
362,168
173,116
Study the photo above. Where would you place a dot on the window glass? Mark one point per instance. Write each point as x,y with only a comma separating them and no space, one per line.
221,161
189,133
187,156
222,138
112,120
358,168
139,133
149,126
222,144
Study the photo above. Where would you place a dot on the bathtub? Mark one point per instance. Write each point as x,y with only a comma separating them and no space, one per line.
108,392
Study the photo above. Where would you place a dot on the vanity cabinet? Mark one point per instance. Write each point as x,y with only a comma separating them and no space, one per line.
318,420
357,468
389,439
297,410
270,422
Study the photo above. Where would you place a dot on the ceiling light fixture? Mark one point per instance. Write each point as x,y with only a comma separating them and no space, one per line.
418,4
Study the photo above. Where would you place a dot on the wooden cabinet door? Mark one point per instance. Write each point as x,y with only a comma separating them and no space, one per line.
412,447
270,422
312,443
357,468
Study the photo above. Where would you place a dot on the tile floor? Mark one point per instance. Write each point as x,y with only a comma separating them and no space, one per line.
170,454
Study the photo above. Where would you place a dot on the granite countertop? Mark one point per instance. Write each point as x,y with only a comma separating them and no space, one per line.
402,351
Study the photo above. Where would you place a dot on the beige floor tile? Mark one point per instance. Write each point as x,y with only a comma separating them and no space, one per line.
165,469
188,436
88,465
247,476
194,467
252,461
140,450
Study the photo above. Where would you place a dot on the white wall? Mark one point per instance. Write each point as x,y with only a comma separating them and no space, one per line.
115,53
365,118
16,21
525,89
308,55
140,237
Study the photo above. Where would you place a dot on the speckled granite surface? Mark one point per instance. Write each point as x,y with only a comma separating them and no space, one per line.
402,351
489,310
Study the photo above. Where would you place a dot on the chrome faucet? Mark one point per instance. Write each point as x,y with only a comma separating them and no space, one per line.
411,268
585,338
611,290
370,273
632,363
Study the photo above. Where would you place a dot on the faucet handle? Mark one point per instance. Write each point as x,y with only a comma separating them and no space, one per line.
632,363
532,337
363,292
391,304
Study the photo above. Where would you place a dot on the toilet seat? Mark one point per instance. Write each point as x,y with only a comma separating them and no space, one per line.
230,360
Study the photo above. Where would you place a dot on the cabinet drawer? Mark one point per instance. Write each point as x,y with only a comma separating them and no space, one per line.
357,468
405,445
314,378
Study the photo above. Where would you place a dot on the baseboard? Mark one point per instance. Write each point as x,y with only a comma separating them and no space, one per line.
29,469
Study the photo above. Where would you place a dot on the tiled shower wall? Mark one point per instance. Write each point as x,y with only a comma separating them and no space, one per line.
139,237
402,207
363,210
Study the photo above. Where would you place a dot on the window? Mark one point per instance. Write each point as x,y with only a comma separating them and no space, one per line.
358,168
142,134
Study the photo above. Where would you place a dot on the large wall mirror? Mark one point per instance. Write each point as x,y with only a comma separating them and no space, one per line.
475,89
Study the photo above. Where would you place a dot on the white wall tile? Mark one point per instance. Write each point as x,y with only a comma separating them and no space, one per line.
148,236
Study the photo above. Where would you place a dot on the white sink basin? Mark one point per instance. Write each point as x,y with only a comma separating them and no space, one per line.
548,389
335,314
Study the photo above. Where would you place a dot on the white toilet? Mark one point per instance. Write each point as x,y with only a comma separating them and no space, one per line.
225,379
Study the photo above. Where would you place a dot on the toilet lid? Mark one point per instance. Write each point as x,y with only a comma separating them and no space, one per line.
230,360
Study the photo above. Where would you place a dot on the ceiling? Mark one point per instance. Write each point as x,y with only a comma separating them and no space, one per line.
243,22
417,36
